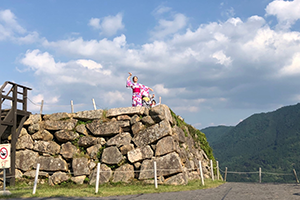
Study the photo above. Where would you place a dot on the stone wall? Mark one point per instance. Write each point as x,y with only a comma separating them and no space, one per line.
126,141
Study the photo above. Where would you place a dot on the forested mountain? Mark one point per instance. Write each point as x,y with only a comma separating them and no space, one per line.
267,140
215,133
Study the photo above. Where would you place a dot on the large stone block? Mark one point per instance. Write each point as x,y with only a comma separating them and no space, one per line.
165,145
57,116
33,128
24,142
82,129
110,128
178,134
50,147
78,179
42,135
152,134
120,140
111,156
33,119
88,114
137,127
65,135
26,160
178,179
87,141
58,177
80,166
60,125
93,151
68,150
126,148
161,112
140,154
52,164
105,175
125,173
125,111
148,121
166,165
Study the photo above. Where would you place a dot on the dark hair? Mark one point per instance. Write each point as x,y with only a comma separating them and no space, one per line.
133,77
153,101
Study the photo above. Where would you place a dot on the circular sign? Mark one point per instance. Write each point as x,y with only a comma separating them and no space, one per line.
3,153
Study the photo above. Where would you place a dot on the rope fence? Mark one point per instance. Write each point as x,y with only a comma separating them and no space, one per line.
259,172
156,171
42,104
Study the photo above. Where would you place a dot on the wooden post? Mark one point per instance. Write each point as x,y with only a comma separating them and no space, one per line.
72,107
225,176
94,105
42,104
14,136
296,175
259,175
212,170
217,170
201,172
155,175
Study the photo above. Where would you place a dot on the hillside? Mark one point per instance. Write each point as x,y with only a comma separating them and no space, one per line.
215,133
267,140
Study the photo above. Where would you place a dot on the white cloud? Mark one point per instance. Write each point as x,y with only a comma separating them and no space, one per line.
293,69
10,21
109,25
95,22
168,27
53,73
287,12
40,62
185,69
92,48
161,90
161,10
115,97
222,58
12,30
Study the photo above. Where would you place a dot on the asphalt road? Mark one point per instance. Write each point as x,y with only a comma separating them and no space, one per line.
227,191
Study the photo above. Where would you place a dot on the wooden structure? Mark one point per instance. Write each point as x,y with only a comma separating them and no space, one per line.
12,119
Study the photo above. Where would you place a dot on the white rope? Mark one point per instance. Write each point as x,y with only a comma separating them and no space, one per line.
271,173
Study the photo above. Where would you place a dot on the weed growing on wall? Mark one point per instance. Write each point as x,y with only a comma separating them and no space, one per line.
196,134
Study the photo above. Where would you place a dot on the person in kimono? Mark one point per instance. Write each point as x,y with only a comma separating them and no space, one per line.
137,90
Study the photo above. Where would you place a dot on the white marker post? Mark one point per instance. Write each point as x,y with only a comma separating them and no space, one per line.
212,170
217,170
97,178
36,177
94,104
201,172
155,174
42,104
259,175
72,107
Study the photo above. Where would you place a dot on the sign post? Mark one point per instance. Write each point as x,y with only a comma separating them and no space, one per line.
4,163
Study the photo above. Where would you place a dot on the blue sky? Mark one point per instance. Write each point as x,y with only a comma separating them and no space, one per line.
212,62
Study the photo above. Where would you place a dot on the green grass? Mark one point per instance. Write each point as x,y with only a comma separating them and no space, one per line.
116,189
